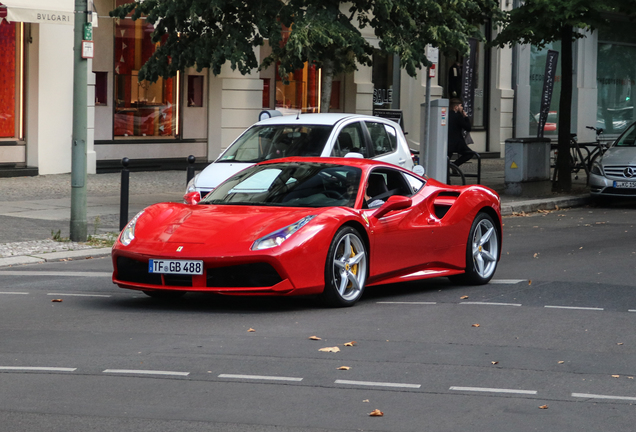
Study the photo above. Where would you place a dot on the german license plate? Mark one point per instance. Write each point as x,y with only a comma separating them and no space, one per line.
625,185
187,267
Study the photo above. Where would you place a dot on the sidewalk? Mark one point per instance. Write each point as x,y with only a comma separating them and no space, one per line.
35,209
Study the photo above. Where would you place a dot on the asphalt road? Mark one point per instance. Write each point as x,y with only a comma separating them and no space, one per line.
555,329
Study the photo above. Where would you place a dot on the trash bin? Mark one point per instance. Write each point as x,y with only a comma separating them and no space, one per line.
527,167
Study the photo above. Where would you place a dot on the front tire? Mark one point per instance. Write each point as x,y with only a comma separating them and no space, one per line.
482,252
346,269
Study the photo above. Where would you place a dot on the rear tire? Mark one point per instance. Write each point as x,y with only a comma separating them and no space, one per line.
482,252
346,269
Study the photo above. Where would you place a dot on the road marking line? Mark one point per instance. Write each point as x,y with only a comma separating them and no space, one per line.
54,273
78,295
16,293
260,377
491,304
493,390
595,396
507,281
413,303
378,384
574,307
631,310
145,372
32,368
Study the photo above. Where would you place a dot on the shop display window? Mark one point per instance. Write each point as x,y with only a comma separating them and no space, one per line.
101,88
195,90
616,77
11,82
302,91
142,109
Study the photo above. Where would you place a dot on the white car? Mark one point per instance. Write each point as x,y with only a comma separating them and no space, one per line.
325,135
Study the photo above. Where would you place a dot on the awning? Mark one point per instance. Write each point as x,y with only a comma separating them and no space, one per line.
39,11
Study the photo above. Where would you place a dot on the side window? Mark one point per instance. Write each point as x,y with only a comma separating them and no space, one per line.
415,183
383,137
350,139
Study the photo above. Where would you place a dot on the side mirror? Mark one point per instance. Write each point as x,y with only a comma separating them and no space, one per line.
192,198
395,202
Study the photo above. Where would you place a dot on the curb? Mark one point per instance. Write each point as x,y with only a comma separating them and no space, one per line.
529,206
54,256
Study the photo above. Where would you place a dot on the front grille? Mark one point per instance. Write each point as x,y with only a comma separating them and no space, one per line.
130,270
244,275
617,171
178,280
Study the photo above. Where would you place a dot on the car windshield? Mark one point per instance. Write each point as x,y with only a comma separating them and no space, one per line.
628,139
290,184
266,142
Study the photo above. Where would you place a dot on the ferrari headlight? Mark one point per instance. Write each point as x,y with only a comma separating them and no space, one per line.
128,233
278,237
597,169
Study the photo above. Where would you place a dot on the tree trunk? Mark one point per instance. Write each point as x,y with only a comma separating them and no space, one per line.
564,181
326,81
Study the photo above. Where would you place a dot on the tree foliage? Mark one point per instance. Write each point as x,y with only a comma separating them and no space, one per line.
325,33
539,22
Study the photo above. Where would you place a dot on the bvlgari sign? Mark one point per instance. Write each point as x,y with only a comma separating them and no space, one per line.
39,11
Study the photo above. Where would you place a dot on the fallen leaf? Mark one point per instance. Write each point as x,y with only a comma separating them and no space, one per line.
630,377
561,362
314,338
619,343
475,325
530,282
344,368
251,330
463,297
376,413
616,376
352,343
366,400
543,407
494,362
57,300
330,349
536,254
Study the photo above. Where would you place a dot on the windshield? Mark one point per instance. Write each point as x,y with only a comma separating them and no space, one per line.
628,138
290,184
261,143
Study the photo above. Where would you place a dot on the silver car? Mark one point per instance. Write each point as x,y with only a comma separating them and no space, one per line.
614,173
326,135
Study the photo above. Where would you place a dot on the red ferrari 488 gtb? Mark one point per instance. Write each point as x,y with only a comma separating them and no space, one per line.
299,226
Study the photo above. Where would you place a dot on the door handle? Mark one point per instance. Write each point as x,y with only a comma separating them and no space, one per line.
401,161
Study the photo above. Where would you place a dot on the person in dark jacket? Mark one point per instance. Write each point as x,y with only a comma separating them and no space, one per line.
458,127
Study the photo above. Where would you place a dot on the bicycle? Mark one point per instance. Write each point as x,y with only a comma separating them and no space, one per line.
599,147
579,158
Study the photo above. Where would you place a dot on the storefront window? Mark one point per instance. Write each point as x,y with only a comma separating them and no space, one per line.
11,81
302,91
537,72
142,109
616,77
386,81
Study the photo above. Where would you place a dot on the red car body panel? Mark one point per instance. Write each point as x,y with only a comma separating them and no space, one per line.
408,244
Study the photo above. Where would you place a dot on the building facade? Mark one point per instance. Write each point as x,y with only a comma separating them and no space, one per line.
197,113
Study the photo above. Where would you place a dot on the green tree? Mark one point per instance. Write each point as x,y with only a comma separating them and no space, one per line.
326,33
539,22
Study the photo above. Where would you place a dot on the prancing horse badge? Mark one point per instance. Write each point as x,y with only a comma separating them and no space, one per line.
180,248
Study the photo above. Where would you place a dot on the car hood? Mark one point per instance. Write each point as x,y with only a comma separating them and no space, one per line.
234,227
620,156
217,172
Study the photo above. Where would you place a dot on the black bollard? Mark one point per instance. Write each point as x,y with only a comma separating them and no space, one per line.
190,169
123,198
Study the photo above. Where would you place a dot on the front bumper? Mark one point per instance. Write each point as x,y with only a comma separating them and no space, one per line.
603,186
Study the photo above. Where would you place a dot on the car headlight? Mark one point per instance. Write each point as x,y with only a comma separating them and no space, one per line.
597,169
128,233
191,187
278,237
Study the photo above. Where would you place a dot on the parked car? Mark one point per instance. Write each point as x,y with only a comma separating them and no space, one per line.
335,135
614,172
312,226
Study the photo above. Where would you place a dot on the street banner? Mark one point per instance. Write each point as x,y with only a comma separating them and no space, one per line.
468,79
548,85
